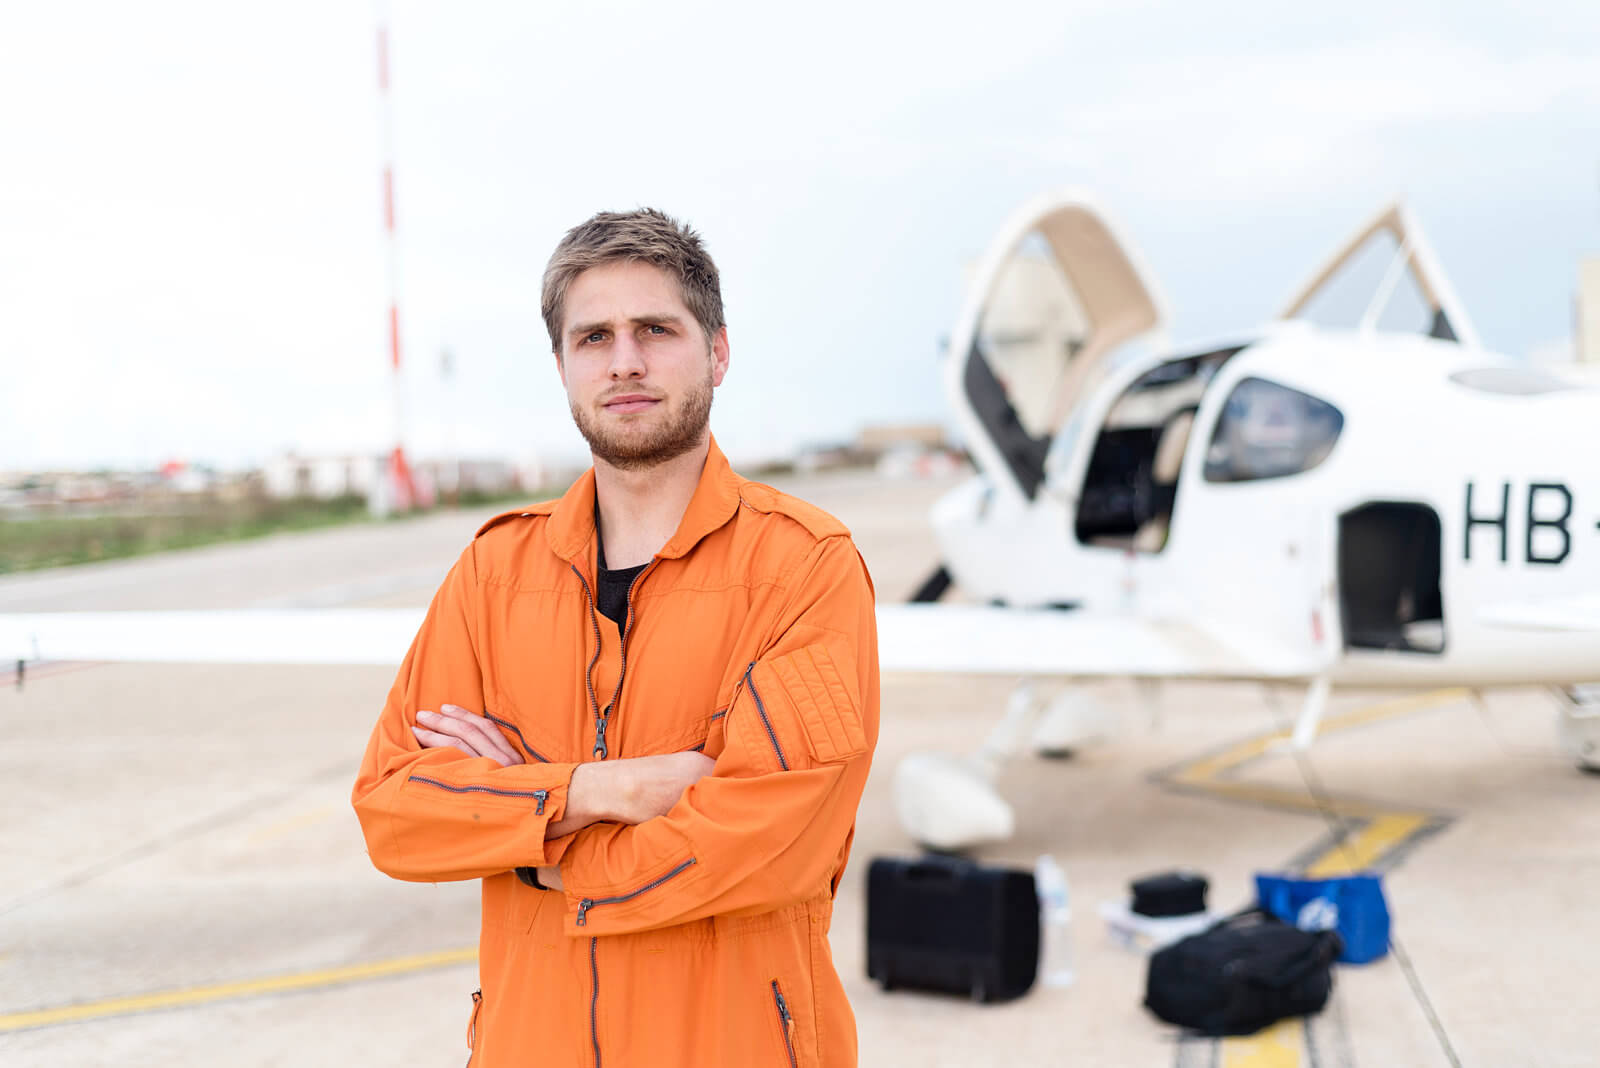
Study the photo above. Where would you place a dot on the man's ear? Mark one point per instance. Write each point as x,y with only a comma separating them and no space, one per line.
719,355
561,368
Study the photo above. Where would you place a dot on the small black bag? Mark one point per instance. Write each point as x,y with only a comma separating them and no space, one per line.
1177,893
1242,974
940,923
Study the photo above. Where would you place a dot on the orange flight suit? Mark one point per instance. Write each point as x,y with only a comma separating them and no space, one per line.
696,938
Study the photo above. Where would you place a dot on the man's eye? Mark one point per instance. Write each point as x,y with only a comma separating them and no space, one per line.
656,328
597,336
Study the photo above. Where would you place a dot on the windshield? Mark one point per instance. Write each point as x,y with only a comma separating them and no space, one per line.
1270,431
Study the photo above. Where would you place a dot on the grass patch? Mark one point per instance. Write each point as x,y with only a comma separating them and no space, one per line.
26,544
56,541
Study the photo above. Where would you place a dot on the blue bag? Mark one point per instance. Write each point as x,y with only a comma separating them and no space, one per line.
1352,904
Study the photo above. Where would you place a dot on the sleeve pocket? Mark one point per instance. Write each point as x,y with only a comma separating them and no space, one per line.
823,701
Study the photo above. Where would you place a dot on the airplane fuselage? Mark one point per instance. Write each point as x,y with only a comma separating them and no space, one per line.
1454,502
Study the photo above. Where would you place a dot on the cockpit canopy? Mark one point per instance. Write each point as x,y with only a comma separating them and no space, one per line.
1055,295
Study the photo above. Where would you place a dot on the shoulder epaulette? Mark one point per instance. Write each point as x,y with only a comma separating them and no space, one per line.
542,508
818,524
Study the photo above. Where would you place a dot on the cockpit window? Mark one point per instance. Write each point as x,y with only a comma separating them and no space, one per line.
1270,431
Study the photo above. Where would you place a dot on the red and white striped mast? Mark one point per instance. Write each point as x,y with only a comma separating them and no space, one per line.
401,492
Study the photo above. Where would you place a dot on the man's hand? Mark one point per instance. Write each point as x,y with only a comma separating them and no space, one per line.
628,791
456,728
647,787
620,791
624,791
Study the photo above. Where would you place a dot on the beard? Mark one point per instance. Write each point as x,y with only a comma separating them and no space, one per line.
638,446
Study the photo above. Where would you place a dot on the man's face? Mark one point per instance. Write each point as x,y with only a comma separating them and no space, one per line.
638,369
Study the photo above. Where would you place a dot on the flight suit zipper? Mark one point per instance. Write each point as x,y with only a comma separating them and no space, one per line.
765,722
602,717
590,902
622,672
472,1027
594,1000
601,720
588,672
786,1022
594,968
540,796
514,729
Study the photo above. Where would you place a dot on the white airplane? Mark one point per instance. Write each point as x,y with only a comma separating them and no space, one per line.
1342,507
1352,507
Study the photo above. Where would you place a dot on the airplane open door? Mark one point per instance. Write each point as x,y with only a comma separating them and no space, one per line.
1055,294
1408,256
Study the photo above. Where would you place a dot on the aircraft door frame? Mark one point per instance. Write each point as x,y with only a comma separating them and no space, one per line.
1279,590
1066,483
1112,285
1152,533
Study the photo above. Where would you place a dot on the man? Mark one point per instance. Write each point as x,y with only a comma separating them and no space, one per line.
642,714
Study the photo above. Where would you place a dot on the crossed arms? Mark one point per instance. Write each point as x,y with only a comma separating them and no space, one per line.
627,791
651,841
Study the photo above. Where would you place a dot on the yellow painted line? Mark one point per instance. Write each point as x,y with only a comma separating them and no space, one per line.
1283,797
292,824
1362,849
1207,768
202,995
1282,1044
1277,1046
1207,773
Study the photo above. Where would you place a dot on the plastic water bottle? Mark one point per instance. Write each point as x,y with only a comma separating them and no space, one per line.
1055,922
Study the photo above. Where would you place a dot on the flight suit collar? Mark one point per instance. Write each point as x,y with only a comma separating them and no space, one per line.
716,498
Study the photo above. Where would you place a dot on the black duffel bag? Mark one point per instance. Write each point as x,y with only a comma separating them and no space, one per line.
1242,974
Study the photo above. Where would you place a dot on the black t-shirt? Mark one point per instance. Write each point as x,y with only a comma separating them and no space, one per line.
612,596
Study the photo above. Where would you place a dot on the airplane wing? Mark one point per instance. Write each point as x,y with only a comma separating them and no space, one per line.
1559,613
911,638
331,636
1043,642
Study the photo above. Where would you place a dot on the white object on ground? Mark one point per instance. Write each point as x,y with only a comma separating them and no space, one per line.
948,803
1146,934
1055,922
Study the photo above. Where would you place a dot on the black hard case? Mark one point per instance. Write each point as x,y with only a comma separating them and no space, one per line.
941,923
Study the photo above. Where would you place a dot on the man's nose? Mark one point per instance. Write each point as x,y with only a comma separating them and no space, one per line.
627,359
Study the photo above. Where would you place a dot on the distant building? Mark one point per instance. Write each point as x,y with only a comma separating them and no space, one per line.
489,477
322,477
1589,310
879,439
327,477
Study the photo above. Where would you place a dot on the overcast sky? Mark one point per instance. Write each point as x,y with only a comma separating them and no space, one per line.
192,258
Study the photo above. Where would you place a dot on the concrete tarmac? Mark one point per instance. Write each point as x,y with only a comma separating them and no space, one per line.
184,882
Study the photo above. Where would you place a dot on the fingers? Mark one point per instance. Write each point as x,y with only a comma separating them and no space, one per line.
485,733
435,740
469,733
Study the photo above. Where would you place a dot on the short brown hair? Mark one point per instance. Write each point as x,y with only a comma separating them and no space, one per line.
644,236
